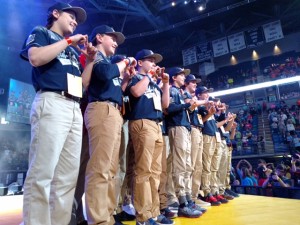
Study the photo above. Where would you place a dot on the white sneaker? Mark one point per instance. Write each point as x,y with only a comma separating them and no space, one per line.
202,203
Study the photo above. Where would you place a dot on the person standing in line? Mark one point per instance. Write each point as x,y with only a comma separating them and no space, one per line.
104,121
147,102
179,128
56,120
196,137
211,149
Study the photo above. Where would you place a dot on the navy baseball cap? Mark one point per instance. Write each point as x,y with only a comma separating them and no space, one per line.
192,77
104,29
203,89
79,12
177,70
146,53
117,58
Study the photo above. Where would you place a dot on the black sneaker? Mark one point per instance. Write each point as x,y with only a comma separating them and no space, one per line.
232,193
168,213
194,206
174,207
124,216
82,222
188,212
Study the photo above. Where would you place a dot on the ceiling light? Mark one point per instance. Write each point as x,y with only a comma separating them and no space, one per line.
173,3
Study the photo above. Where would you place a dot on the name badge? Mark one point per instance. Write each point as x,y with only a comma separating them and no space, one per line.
157,100
74,85
218,136
223,130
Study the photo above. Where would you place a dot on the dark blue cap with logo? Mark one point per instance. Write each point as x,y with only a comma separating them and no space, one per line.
203,89
79,12
146,53
192,77
104,29
117,58
177,70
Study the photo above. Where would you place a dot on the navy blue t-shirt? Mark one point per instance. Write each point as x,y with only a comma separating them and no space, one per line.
194,114
53,75
105,84
143,106
177,110
210,125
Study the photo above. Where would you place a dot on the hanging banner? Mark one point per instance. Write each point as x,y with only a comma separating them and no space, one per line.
220,47
204,52
236,42
189,56
273,31
254,37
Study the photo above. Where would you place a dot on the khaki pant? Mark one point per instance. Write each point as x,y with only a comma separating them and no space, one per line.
211,163
229,158
122,162
223,169
104,123
56,135
147,142
170,183
196,156
127,186
163,196
180,147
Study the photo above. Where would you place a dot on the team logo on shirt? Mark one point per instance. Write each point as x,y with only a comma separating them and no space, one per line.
30,39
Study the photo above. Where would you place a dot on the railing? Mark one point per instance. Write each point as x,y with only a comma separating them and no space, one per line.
281,192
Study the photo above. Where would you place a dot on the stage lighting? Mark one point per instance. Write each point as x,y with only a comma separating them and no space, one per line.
200,4
256,86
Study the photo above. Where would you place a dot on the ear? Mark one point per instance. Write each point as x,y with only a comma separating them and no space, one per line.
139,63
99,38
55,13
174,78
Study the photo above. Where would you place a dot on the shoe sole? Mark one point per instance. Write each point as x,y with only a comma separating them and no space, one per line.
186,216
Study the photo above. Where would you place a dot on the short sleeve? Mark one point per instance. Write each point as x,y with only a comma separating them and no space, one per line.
38,37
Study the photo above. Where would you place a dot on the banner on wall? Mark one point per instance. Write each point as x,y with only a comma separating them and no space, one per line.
204,52
254,37
236,42
220,47
189,56
273,31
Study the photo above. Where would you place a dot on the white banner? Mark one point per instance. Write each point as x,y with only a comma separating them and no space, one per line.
189,56
273,31
236,42
220,47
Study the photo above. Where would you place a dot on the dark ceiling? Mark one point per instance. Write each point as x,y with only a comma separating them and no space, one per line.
152,24
157,25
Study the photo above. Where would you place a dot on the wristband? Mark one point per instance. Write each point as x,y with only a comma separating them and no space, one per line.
69,41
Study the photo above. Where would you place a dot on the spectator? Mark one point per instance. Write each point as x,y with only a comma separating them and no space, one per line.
262,143
277,178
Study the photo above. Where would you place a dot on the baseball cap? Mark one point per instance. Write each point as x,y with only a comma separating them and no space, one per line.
177,70
104,29
203,89
192,77
117,58
80,12
146,53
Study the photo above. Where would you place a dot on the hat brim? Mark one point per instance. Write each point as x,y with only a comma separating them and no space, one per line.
157,57
197,80
119,36
80,13
209,90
